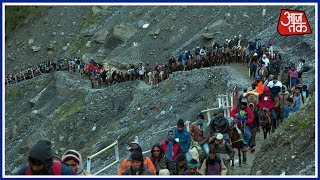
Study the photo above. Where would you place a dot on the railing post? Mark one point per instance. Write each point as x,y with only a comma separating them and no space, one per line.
227,101
209,116
231,101
136,139
116,150
188,125
88,165
219,101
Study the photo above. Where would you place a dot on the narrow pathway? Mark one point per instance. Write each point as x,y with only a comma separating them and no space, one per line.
245,168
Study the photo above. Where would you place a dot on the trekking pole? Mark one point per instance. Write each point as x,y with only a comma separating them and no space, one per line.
290,83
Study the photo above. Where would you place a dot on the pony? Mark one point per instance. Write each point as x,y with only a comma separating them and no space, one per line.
150,77
237,143
234,54
265,121
219,56
96,81
252,97
189,64
198,62
226,56
207,59
243,55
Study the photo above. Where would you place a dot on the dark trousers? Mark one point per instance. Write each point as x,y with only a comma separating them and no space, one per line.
252,141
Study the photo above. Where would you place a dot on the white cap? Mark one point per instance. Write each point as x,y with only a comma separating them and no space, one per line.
219,136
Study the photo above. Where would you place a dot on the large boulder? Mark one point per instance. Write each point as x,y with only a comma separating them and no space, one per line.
120,34
208,35
217,25
96,57
99,9
123,32
100,37
35,48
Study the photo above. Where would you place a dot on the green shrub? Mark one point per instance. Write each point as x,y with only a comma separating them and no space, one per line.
15,16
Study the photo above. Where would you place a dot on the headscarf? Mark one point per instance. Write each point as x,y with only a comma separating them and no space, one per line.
76,156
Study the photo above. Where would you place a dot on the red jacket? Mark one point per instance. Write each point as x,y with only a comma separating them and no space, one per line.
234,111
266,101
176,148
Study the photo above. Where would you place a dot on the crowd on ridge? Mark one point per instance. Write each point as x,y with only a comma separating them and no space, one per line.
204,149
235,50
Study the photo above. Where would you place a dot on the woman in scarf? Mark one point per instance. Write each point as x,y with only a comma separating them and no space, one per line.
73,159
160,161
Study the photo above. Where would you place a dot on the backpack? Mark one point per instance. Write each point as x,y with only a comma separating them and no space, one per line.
56,168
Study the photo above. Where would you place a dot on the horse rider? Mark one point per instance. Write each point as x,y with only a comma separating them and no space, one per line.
266,102
243,115
275,86
244,90
223,149
220,124
200,133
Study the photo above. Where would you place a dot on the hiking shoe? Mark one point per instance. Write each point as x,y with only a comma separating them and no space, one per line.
253,149
272,130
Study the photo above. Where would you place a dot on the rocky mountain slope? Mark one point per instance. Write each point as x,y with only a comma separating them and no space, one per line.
63,108
291,150
107,33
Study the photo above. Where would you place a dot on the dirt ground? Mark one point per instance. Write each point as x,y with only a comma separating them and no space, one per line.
244,168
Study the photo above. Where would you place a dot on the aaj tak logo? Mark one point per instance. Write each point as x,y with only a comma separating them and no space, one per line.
293,22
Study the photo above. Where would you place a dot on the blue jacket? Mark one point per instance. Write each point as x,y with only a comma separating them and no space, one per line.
184,139
289,109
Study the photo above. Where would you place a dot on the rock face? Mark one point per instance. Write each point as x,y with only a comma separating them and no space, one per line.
100,37
69,107
74,116
291,149
35,48
120,34
172,28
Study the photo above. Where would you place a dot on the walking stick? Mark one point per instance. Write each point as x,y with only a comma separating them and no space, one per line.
290,83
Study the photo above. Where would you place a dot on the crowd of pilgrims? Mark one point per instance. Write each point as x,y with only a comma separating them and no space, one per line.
237,50
204,149
175,154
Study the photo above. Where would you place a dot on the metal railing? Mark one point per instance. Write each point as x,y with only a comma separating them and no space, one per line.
225,101
187,124
116,150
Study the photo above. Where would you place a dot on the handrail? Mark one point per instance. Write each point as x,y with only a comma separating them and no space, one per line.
103,169
223,102
103,150
114,144
186,123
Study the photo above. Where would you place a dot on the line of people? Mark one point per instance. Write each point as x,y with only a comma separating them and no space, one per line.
203,150
41,161
172,156
186,60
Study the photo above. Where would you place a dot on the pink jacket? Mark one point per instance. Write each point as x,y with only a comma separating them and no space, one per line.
293,73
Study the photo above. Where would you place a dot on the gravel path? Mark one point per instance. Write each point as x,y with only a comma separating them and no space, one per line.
244,169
